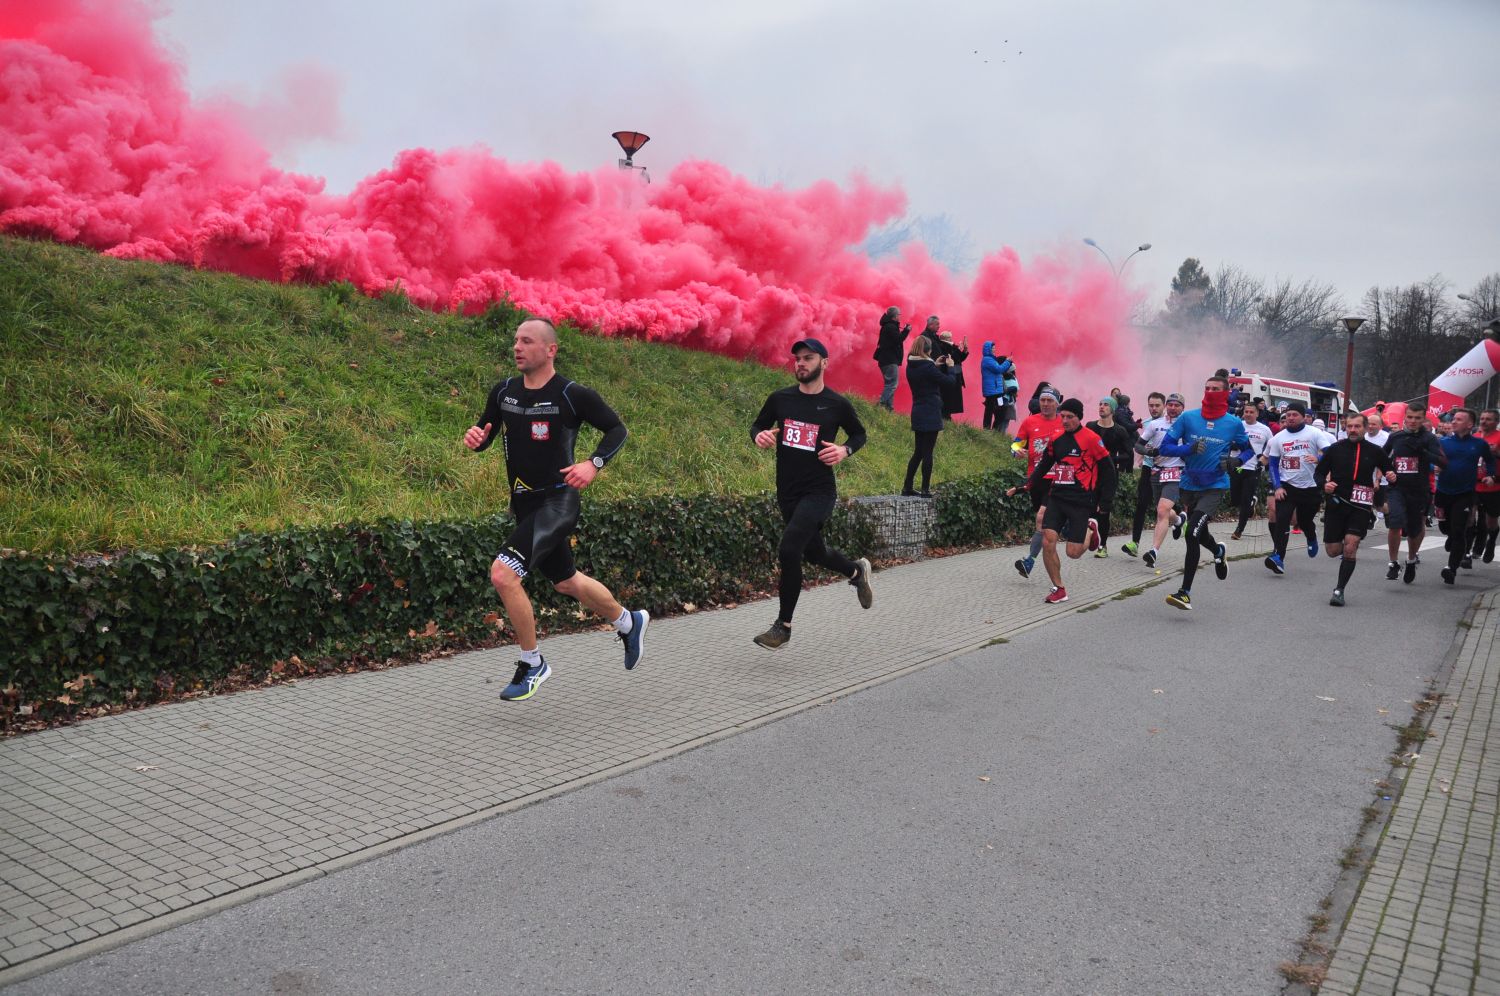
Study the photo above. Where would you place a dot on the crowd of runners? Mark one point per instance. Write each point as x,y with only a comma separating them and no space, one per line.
1189,461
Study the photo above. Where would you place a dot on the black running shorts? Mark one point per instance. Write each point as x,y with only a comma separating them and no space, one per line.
542,539
1340,519
1070,520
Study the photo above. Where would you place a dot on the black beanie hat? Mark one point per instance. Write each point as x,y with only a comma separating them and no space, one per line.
1072,405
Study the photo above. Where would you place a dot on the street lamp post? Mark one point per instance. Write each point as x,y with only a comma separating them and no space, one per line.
1117,270
630,144
1351,325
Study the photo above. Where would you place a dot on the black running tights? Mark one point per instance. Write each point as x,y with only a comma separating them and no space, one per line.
803,540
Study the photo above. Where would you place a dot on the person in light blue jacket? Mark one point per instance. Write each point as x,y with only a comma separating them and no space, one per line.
996,372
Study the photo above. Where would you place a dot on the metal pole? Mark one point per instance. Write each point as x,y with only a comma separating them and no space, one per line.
1348,378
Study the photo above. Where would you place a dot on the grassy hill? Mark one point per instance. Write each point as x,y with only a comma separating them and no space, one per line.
152,405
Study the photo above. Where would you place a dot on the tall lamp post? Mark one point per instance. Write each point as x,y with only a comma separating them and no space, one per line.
1117,270
630,144
1351,325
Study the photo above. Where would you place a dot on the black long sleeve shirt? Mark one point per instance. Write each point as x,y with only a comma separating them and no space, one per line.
539,427
806,422
1352,465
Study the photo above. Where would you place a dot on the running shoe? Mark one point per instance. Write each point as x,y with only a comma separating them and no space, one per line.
1093,534
1235,535
1221,568
1177,525
1180,599
1056,595
1489,549
1392,571
1149,558
1274,564
861,582
1101,553
1449,575
1024,566
1410,574
1130,549
1467,563
776,636
528,679
1416,558
635,640
1337,599
1312,547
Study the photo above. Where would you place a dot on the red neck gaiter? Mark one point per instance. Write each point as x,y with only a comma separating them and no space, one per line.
1215,404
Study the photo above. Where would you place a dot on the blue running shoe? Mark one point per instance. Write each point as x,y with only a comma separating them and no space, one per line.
635,640
527,680
1312,547
1024,566
1273,562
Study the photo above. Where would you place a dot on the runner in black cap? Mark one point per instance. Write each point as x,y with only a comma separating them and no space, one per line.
803,420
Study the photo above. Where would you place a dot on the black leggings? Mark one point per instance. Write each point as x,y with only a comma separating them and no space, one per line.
1242,487
1144,499
1302,501
803,540
921,455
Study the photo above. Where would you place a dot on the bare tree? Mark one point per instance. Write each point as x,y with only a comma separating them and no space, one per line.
1235,297
1410,332
1481,303
1301,317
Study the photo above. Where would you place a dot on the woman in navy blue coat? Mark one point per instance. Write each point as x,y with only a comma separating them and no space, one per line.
926,379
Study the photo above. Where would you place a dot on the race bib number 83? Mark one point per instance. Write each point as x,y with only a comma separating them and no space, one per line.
799,435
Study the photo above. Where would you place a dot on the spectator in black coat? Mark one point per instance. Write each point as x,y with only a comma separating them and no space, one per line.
888,354
1123,413
953,394
927,379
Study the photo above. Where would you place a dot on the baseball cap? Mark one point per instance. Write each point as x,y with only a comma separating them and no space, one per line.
812,344
1174,396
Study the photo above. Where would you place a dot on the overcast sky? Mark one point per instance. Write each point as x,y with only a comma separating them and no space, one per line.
1353,142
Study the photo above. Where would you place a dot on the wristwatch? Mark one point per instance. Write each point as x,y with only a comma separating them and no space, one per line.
598,462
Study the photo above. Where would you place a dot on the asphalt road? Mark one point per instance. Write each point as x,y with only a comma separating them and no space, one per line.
1132,800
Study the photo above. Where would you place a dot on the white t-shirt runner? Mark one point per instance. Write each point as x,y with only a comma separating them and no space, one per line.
1378,438
1298,453
1260,441
1152,433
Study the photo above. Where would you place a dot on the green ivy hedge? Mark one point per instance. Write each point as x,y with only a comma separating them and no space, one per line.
138,625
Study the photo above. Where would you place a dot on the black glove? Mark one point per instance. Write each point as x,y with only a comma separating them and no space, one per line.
1142,447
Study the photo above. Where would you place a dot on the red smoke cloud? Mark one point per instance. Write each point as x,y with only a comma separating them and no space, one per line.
101,145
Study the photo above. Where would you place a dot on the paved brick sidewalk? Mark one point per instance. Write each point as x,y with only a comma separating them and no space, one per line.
130,824
1421,923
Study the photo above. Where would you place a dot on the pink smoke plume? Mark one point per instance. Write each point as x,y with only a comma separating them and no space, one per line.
100,145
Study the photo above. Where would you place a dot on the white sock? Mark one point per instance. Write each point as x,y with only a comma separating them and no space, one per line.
625,623
531,658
